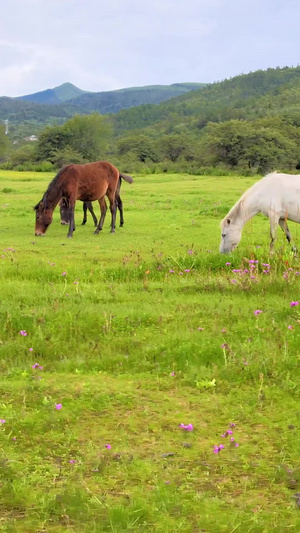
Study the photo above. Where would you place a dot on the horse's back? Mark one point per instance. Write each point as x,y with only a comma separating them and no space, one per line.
281,193
91,181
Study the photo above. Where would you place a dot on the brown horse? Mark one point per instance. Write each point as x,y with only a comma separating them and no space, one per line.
80,182
64,209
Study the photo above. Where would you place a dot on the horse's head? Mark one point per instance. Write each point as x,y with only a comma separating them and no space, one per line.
43,218
231,235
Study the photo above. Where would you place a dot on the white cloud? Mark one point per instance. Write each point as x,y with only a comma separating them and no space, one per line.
108,45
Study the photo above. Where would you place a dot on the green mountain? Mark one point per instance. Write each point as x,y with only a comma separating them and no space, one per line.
68,91
58,95
251,122
113,101
66,100
245,97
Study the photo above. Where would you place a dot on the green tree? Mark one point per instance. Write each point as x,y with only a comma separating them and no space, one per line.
82,138
262,144
139,146
4,142
88,135
51,140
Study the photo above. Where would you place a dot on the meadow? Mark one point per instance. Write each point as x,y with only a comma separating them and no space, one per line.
148,383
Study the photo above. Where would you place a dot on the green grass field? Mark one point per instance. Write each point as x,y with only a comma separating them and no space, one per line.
108,343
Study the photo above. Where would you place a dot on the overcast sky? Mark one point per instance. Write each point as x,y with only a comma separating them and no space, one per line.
102,45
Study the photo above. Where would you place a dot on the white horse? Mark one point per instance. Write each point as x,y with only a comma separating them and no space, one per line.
276,195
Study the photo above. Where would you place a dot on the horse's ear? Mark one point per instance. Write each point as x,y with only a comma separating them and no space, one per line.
228,221
39,204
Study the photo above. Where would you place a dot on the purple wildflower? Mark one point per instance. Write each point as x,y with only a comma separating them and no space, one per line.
188,427
293,304
257,312
108,446
23,333
58,406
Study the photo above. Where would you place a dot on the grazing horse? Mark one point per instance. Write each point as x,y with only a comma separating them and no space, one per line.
64,209
276,196
80,182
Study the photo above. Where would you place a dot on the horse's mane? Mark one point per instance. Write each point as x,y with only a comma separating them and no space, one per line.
53,184
236,211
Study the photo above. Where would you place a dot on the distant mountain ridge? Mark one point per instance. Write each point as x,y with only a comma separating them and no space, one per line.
106,102
30,113
57,95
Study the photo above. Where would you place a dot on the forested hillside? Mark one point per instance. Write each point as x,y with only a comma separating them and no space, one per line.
114,101
255,95
58,104
250,123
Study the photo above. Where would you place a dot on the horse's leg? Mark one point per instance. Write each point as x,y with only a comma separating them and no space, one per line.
285,229
84,213
91,210
113,210
103,209
72,218
273,227
120,207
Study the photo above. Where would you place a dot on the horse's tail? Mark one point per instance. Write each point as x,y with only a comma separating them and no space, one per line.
125,177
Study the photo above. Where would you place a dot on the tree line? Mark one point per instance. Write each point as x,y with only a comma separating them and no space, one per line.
248,124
